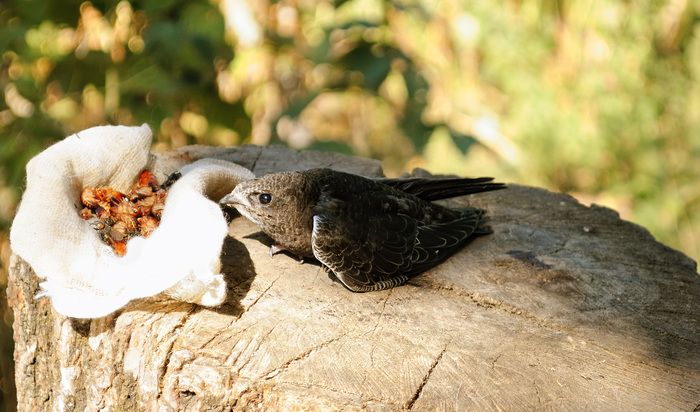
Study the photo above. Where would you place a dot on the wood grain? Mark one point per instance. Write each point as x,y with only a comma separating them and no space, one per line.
564,307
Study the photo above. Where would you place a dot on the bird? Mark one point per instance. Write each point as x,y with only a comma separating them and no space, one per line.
372,233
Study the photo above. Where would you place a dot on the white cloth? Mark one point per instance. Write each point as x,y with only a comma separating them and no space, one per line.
84,277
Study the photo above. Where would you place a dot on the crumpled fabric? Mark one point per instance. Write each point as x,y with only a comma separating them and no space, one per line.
84,277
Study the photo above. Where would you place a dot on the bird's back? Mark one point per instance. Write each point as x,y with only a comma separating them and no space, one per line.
356,195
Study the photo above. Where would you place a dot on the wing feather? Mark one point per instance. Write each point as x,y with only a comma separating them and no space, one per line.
383,250
435,188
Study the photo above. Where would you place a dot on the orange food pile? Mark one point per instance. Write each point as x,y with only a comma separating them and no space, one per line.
118,217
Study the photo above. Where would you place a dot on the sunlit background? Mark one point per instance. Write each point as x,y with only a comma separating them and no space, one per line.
598,99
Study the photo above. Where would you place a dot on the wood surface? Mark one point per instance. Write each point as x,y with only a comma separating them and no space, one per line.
564,307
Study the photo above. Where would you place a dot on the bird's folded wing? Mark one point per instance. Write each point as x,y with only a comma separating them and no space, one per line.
435,188
369,254
373,252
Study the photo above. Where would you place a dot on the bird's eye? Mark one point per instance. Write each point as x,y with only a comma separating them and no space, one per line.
265,198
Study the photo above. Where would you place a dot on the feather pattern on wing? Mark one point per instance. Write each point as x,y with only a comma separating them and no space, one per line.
383,250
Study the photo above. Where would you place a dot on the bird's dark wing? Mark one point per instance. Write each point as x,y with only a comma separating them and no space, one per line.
437,242
436,188
380,251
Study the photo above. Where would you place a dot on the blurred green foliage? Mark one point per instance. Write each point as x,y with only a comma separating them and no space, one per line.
599,99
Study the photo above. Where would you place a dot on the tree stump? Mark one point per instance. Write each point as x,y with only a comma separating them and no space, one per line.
564,307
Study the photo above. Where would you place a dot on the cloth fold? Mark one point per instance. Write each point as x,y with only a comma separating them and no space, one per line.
83,276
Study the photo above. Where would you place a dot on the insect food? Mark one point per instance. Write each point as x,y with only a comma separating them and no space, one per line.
117,217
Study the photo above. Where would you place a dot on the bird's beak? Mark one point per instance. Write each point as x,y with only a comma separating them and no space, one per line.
230,199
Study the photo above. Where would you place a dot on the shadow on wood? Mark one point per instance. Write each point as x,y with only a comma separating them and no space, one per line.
563,307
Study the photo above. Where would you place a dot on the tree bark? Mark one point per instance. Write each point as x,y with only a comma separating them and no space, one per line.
564,307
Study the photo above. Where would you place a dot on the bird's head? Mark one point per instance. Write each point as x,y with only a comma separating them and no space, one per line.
269,201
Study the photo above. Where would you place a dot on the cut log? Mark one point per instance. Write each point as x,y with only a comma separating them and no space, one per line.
564,307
